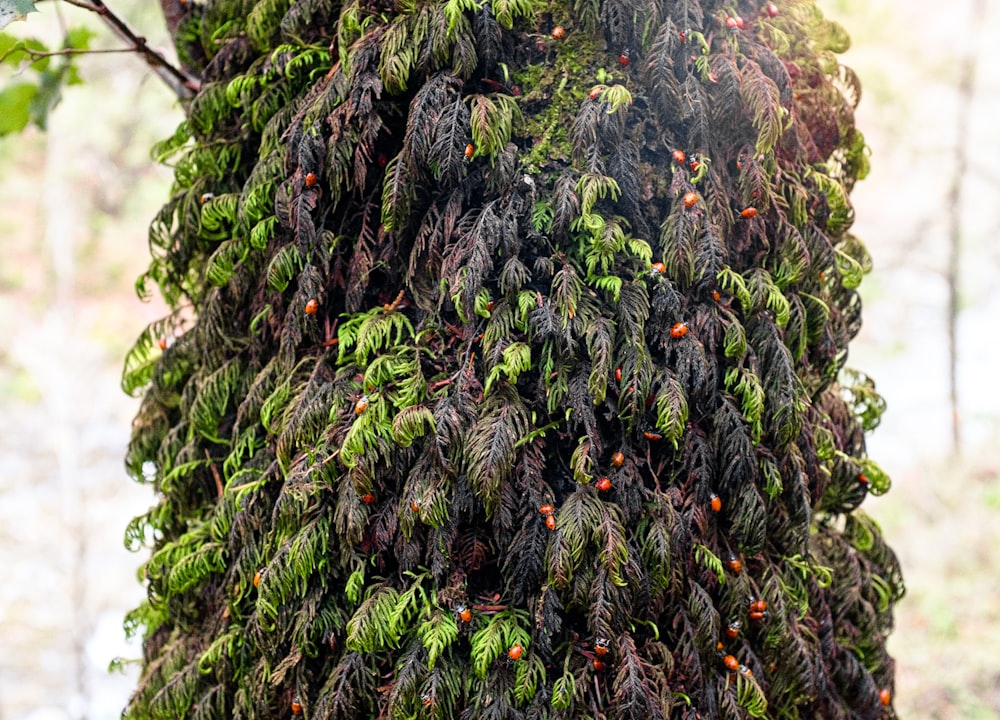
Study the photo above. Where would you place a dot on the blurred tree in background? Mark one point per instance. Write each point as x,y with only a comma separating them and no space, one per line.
505,376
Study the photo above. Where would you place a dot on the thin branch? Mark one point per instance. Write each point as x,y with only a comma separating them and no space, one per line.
180,82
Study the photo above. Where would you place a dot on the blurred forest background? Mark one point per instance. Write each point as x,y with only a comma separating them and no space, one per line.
76,204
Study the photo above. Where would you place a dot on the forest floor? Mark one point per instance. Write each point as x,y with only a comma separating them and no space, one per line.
79,200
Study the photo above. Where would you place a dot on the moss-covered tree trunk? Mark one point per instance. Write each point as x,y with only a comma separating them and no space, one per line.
506,372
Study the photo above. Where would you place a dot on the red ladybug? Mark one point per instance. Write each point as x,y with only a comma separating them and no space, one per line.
694,165
771,10
162,342
758,605
679,330
312,306
546,509
598,665
690,199
733,629
296,706
734,22
415,506
515,652
748,213
735,564
382,160
618,374
884,696
604,484
756,616
470,149
601,647
731,663
361,405
618,458
863,479
558,32
659,268
368,498
550,522
426,699
623,59
595,92
679,157
311,179
652,436
489,306
715,502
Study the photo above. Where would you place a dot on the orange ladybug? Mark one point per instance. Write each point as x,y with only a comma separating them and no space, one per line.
601,647
206,197
650,435
311,179
716,295
595,92
744,670
415,506
690,199
733,629
312,306
162,342
679,157
884,696
256,579
735,564
658,268
558,32
464,613
618,374
598,665
515,652
618,458
623,59
863,479
368,498
731,663
758,605
546,509
679,330
550,522
715,502
426,699
756,616
470,149
748,213
361,405
604,484
296,706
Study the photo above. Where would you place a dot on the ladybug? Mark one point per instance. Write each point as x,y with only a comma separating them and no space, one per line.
863,479
489,306
601,647
658,268
715,502
311,179
623,59
683,36
679,157
719,646
618,458
884,696
368,498
464,613
296,706
733,629
205,197
652,436
604,484
558,32
716,295
312,306
758,606
694,165
598,665
361,405
735,564
426,699
546,509
748,213
470,149
162,342
618,374
690,199
550,522
415,506
744,670
731,663
771,10
515,652
734,22
256,579
595,92
679,330
382,160
756,616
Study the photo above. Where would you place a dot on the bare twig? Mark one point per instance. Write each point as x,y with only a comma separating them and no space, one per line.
183,84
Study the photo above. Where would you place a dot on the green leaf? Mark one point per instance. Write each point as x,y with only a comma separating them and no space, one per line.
15,107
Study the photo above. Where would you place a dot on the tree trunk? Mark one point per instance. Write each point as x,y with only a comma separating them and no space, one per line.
506,372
